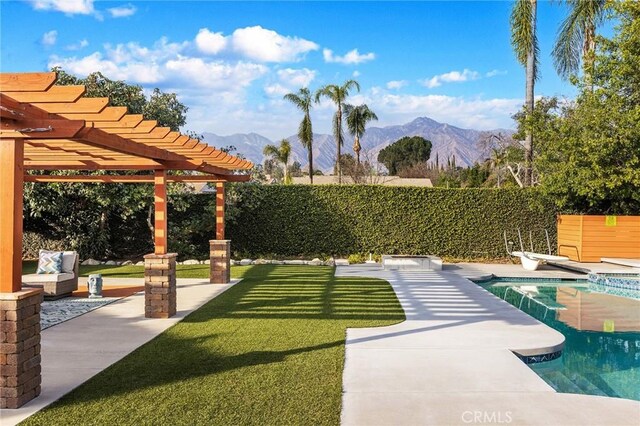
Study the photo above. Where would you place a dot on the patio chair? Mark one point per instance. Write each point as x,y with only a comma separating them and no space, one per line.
57,285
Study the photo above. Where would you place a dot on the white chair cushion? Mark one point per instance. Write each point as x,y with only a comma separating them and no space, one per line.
46,278
68,261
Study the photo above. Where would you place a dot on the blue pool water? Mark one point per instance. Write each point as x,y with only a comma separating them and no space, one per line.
601,327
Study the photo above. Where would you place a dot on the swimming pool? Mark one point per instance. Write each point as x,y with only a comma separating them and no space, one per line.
601,327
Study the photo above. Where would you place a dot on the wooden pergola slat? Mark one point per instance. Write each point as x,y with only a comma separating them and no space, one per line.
53,94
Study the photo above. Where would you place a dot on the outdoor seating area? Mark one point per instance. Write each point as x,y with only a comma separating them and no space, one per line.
57,283
48,128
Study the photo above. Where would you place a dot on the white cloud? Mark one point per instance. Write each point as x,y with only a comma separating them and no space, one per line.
79,45
476,113
276,90
209,42
494,73
356,74
396,84
164,64
289,80
265,45
351,57
70,7
122,11
49,38
298,78
214,75
451,77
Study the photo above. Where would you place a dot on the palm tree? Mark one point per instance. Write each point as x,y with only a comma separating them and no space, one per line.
302,100
357,119
525,44
496,161
576,40
281,154
337,94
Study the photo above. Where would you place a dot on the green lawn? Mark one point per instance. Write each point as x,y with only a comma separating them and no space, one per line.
130,271
269,351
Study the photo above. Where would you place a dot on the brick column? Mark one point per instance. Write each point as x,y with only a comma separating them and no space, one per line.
19,347
220,258
160,285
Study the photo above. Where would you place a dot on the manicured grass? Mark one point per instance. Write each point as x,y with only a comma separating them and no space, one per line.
268,351
129,271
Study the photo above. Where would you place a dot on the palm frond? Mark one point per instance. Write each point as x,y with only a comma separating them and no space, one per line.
522,34
305,132
567,50
349,84
270,150
337,129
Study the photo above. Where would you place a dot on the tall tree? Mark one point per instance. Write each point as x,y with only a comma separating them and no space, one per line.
404,153
337,95
590,150
281,154
525,44
576,40
302,100
84,222
357,119
165,108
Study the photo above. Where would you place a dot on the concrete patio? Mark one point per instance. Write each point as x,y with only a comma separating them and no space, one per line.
451,361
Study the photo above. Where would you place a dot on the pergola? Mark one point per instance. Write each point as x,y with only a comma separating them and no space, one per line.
46,127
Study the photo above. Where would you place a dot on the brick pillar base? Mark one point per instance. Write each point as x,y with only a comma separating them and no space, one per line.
160,285
220,257
20,376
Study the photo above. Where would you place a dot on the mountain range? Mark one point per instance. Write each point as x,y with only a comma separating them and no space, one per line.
447,141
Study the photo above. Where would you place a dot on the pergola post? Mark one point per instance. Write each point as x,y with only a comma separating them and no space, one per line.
11,181
160,267
160,209
220,249
220,210
19,309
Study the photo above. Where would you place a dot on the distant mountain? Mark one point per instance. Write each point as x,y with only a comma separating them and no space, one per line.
447,141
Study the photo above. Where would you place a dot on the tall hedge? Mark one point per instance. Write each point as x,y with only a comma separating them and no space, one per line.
302,220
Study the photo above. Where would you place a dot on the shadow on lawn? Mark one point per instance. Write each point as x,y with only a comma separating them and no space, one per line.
275,315
303,292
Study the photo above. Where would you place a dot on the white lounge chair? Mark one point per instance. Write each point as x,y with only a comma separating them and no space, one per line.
59,285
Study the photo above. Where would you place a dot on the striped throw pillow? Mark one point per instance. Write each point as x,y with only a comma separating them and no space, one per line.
50,262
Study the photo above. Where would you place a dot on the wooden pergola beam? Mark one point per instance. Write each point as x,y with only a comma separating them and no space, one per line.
128,120
27,82
80,106
116,143
133,179
53,94
107,114
41,128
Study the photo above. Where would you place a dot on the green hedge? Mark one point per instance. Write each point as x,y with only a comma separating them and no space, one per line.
302,220
308,221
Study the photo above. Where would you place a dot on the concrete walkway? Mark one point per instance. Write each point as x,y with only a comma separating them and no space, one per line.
76,350
451,362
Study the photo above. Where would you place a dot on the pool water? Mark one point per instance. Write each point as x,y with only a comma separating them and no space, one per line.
601,327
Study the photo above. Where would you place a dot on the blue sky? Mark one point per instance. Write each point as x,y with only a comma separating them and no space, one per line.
231,62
